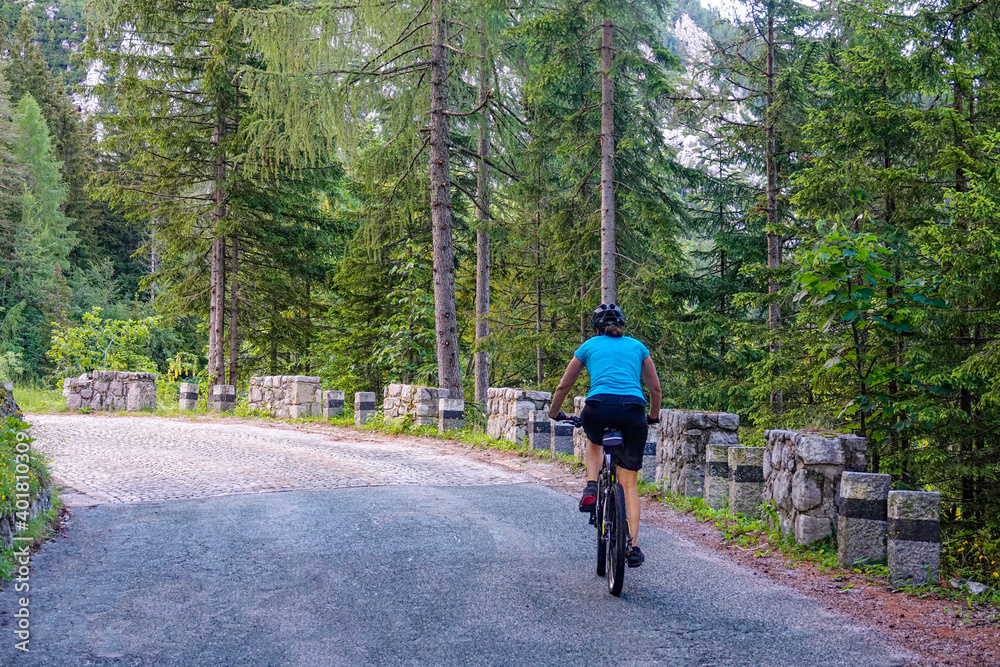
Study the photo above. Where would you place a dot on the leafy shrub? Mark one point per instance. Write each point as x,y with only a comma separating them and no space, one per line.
99,344
971,554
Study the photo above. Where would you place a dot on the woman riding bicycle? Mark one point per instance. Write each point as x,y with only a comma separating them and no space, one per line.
615,364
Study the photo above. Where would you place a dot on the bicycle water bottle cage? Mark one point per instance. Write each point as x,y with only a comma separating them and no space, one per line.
612,438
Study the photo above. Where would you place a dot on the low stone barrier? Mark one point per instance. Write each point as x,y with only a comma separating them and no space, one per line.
333,403
410,400
861,520
111,390
746,479
507,411
8,407
539,430
286,395
717,476
579,437
451,414
802,478
914,537
187,397
649,455
222,398
364,407
563,436
683,437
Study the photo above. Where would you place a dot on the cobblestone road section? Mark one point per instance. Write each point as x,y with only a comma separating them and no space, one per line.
135,459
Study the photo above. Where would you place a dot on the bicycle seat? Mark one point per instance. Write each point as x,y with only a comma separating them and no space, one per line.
612,439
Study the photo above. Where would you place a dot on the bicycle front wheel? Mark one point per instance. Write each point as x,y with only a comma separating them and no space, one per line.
602,536
617,538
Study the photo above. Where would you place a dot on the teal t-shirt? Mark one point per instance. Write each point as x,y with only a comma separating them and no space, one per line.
614,365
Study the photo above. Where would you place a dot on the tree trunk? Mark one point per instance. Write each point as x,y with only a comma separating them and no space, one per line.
234,342
216,368
773,239
539,365
482,361
609,284
583,314
445,320
217,310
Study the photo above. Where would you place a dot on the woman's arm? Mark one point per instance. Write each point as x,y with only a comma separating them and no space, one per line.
653,382
569,379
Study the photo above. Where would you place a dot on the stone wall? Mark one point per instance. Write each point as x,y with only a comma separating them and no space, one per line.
286,396
802,472
507,411
8,522
420,403
111,390
8,407
680,453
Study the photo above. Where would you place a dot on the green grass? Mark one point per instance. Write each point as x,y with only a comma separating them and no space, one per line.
35,399
758,534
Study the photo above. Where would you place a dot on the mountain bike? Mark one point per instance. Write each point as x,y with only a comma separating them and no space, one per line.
609,516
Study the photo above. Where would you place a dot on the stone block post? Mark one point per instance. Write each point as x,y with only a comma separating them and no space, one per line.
746,480
649,455
684,435
333,403
914,537
539,430
222,398
188,399
364,407
579,437
425,405
717,476
562,438
451,414
861,520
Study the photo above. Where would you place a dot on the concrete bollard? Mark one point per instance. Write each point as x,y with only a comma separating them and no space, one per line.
649,456
222,398
188,396
539,430
746,480
861,518
451,414
562,438
717,476
364,407
914,537
333,403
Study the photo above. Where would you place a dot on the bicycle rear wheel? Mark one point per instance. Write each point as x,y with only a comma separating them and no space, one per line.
617,538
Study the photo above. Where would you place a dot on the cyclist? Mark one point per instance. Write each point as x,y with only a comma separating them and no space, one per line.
615,364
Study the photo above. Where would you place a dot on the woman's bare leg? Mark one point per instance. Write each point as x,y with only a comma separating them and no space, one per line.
629,479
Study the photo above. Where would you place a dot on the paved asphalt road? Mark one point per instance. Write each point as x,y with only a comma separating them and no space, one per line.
497,573
400,575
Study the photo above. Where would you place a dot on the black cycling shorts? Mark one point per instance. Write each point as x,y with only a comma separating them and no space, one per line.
609,411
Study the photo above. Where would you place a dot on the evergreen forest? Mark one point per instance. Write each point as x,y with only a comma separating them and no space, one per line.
797,205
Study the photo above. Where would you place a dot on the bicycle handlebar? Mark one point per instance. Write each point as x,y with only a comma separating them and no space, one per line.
572,419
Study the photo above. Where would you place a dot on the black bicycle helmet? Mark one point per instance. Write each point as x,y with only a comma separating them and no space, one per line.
605,314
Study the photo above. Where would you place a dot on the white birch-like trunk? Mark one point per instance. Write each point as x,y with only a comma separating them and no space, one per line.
609,282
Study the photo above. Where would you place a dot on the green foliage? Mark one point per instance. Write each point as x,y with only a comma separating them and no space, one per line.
100,344
14,432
